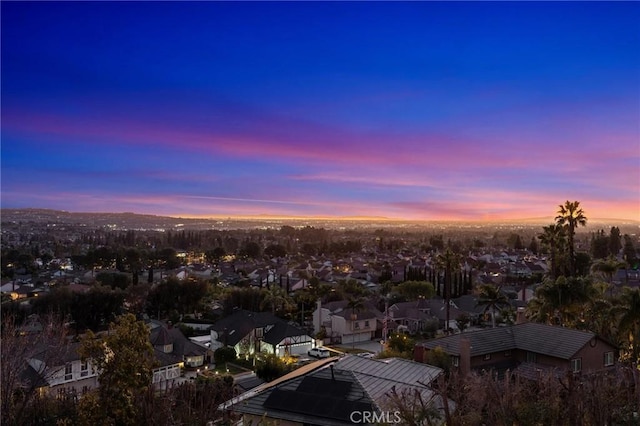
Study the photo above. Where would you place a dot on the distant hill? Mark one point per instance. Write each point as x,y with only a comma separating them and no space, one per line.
129,220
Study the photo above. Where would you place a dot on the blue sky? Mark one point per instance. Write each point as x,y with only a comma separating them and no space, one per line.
413,110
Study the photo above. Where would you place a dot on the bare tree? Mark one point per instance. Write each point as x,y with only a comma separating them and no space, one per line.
29,351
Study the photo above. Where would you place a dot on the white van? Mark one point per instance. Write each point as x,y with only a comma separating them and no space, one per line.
319,352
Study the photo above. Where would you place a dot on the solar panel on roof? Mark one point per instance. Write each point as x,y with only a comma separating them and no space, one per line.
319,406
322,386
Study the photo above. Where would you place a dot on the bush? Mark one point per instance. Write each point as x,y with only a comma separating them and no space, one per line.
224,355
271,367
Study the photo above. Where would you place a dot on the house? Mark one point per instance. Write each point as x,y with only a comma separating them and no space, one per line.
64,373
343,324
173,351
524,348
412,316
250,332
336,392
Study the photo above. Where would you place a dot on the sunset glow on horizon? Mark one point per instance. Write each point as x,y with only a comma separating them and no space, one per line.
476,111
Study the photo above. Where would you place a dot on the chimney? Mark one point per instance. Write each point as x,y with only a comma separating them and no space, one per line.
521,318
465,356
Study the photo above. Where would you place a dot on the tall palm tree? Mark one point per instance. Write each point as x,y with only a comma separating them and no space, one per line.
570,215
448,261
492,299
553,239
356,304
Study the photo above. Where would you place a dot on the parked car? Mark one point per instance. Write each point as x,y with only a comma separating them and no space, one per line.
319,352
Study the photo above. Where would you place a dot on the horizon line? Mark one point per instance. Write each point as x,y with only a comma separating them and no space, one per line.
539,219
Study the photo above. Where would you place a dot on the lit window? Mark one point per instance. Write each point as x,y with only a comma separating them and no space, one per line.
487,357
608,359
576,365
455,361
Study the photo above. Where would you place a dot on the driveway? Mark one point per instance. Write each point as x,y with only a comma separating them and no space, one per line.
370,346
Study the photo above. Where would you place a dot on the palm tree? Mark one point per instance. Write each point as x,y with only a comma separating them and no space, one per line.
599,315
449,262
628,310
491,298
553,239
276,298
607,268
562,301
570,215
356,305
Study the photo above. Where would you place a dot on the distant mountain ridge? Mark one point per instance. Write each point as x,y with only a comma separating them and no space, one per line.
136,220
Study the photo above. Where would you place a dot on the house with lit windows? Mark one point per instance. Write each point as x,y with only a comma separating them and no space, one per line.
173,352
67,373
254,332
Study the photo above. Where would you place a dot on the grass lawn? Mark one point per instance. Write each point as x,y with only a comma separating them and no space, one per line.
229,368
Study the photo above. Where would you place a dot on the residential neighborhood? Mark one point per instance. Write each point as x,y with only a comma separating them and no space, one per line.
396,314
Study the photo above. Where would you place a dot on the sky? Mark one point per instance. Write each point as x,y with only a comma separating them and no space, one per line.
403,110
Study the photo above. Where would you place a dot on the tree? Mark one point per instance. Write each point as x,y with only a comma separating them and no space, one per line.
628,310
562,301
224,354
125,360
250,249
553,240
18,393
492,299
630,253
615,241
412,407
463,321
438,357
600,245
214,256
356,304
412,290
570,215
271,367
276,298
450,263
607,269
114,280
275,250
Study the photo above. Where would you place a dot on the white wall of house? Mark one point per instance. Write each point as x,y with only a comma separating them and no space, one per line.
73,375
194,361
164,377
358,330
322,314
298,348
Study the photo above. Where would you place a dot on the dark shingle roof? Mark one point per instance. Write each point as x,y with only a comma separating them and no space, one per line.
280,331
182,347
240,323
558,342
